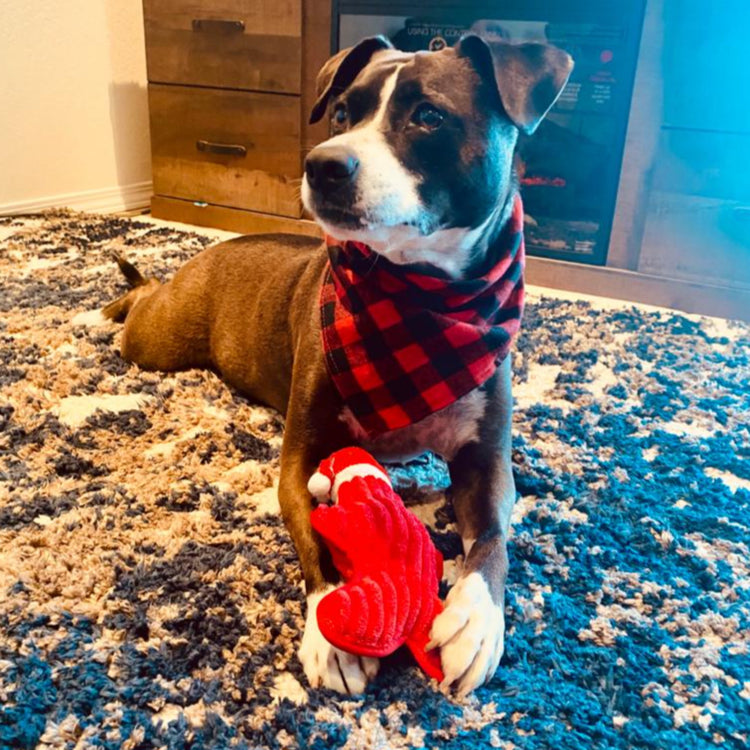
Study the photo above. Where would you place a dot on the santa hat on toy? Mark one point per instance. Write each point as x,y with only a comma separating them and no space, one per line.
341,467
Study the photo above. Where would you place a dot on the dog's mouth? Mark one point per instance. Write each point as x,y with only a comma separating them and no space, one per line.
338,216
351,219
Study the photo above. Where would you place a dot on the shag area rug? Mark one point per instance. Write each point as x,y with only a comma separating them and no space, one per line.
150,596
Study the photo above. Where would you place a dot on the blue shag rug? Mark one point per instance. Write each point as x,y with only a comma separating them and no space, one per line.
150,597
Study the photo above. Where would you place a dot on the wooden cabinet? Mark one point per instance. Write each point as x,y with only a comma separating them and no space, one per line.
230,87
232,83
681,233
698,215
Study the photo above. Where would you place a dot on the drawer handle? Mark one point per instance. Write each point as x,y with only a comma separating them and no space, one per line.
217,26
225,149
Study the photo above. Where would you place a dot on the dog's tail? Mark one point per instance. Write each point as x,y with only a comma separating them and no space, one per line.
119,309
132,275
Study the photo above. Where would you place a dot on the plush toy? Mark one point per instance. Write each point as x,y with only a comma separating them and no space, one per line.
386,558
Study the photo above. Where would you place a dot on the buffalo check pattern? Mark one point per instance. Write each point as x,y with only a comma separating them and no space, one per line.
401,345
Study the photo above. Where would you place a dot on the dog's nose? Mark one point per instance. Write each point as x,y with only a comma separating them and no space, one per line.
330,168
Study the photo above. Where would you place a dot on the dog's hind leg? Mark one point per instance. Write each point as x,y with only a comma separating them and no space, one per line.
166,325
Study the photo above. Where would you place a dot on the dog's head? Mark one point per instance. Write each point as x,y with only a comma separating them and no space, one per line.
420,161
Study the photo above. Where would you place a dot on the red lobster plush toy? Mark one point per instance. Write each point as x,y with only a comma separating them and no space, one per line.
389,564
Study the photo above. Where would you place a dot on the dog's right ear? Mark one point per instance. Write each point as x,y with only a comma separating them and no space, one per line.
338,72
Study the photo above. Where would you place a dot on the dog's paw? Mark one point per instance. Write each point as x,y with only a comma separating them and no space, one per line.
470,633
327,666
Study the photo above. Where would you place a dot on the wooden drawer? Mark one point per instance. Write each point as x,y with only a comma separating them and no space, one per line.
231,148
239,44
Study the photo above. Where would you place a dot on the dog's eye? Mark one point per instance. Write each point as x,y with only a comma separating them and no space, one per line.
427,117
340,114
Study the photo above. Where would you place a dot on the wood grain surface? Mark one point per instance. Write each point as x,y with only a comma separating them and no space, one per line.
267,126
258,47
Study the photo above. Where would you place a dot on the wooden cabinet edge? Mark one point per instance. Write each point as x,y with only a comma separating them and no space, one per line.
316,49
230,219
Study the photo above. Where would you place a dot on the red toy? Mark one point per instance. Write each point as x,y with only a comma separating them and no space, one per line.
389,564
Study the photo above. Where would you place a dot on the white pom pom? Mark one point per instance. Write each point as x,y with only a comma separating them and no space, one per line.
319,486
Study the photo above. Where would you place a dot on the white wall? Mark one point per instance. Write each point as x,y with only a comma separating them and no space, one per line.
73,105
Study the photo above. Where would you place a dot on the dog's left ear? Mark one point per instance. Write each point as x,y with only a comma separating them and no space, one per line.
529,77
341,69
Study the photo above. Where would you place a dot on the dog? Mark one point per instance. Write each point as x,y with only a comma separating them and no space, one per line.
418,177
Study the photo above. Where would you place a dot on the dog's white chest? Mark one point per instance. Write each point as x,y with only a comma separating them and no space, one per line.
444,432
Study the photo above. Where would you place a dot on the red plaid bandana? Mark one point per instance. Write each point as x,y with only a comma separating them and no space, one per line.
400,345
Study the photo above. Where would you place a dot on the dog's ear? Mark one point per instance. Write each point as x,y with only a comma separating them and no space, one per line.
338,72
529,77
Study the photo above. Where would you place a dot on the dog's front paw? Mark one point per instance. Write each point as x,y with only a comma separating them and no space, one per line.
328,666
470,632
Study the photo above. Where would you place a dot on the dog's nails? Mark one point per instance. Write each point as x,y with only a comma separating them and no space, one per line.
463,691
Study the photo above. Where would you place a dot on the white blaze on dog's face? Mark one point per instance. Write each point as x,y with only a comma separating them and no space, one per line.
419,166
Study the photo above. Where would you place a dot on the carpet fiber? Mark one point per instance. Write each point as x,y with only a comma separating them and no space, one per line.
150,597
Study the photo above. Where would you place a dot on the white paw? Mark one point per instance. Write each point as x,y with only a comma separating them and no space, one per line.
470,632
327,666
90,318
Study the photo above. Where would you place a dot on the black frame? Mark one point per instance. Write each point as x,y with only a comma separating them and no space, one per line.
628,14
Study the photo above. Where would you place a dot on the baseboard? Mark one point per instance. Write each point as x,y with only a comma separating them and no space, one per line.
686,296
105,200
